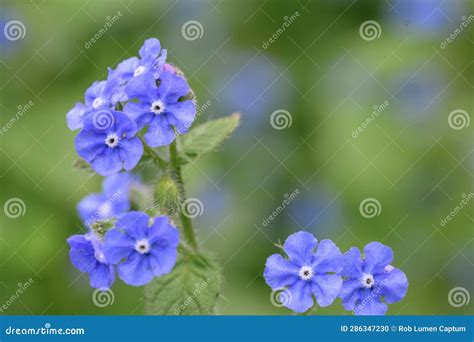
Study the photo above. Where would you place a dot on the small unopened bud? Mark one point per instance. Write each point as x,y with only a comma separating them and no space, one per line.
102,227
167,196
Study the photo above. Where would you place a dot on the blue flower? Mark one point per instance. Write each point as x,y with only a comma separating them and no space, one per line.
369,279
100,95
87,255
152,59
148,249
112,202
306,272
107,141
158,107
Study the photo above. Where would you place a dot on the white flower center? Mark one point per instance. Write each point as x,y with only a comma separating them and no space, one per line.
157,107
98,102
142,246
367,281
112,140
140,70
306,272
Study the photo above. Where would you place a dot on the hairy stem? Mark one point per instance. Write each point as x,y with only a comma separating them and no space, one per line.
177,175
153,155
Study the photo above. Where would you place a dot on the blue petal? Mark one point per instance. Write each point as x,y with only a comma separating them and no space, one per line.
280,272
135,224
102,276
89,144
139,112
94,91
350,293
162,259
370,305
88,208
328,258
377,256
130,152
150,49
300,247
326,288
136,270
301,298
123,125
117,184
107,163
117,246
125,69
181,115
142,87
172,87
160,133
352,264
82,253
75,116
163,233
393,285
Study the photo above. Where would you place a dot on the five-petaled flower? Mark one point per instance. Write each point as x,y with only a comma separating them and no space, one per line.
160,107
152,59
108,142
306,271
141,249
87,255
368,280
112,202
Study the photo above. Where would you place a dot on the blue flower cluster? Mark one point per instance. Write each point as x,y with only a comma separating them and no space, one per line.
138,246
141,92
323,271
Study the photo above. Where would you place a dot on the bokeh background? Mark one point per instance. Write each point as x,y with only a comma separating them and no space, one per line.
412,159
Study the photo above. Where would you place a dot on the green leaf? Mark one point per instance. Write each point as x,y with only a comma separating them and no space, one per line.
207,137
191,288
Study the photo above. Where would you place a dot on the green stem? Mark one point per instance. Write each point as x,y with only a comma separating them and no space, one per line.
176,174
153,155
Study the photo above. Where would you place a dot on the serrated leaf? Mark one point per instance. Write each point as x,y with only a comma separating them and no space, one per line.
207,137
191,288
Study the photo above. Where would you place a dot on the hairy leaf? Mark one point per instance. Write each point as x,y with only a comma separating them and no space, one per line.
191,288
207,137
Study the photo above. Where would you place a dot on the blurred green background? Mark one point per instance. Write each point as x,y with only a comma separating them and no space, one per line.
322,72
